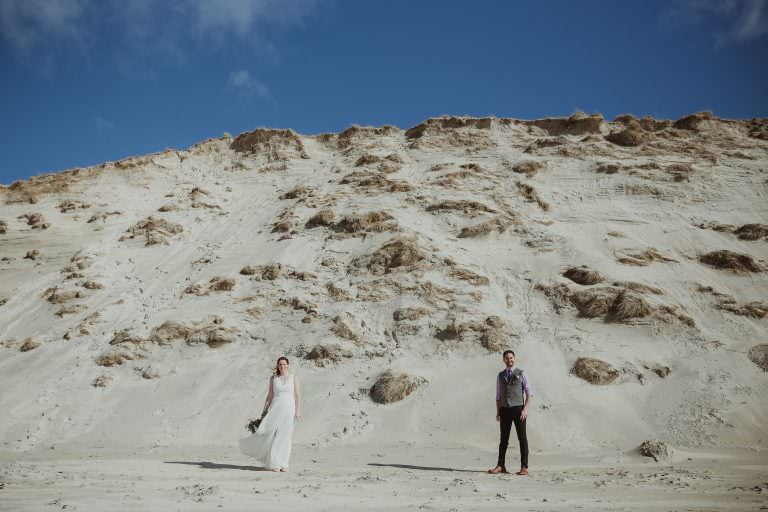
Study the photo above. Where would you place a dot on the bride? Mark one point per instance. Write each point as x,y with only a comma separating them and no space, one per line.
271,443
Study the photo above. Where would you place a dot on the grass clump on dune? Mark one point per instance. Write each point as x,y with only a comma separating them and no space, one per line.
584,275
733,261
392,386
594,371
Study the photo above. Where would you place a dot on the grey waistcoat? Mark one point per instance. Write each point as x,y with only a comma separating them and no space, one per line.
512,389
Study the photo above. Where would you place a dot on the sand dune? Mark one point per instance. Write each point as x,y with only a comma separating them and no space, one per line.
143,301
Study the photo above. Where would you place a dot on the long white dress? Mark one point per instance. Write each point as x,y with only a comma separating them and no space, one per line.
271,443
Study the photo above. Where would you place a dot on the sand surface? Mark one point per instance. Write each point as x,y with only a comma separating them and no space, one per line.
381,478
143,302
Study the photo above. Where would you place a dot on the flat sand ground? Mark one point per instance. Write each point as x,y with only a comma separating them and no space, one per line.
380,478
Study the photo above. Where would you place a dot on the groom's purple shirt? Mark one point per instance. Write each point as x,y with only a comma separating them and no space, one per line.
523,380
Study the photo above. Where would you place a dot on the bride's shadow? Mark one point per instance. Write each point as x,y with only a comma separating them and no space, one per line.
425,468
214,465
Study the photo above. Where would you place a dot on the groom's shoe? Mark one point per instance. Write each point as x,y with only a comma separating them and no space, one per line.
523,471
497,470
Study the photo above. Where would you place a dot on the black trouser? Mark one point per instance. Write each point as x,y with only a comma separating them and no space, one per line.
511,415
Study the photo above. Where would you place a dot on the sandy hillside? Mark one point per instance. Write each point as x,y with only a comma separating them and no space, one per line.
626,262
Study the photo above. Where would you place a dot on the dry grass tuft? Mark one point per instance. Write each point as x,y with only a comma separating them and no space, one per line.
463,274
395,254
392,386
442,124
411,314
116,358
276,145
584,275
35,220
629,137
336,293
692,121
627,306
28,345
757,128
594,371
607,168
759,355
752,231
638,287
55,296
321,218
216,284
296,192
368,159
594,302
559,295
299,305
461,205
102,216
372,222
92,285
71,310
530,195
324,355
354,133
342,330
733,261
577,124
528,168
69,205
220,284
752,309
170,207
155,230
657,450
29,191
3,227
213,333
101,381
643,258
125,336
282,226
498,224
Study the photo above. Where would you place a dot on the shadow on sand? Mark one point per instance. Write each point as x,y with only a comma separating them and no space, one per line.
425,468
214,465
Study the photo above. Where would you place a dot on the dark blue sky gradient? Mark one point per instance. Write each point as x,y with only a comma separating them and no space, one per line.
394,62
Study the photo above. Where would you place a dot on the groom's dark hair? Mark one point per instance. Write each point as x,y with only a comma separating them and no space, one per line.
507,352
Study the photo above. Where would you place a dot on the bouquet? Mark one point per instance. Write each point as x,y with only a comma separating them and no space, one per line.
253,425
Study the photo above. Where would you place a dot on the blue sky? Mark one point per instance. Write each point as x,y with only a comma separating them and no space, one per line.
86,81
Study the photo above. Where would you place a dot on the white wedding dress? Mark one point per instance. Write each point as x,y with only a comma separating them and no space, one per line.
271,443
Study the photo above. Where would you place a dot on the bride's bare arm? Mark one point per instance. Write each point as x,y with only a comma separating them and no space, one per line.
270,395
297,396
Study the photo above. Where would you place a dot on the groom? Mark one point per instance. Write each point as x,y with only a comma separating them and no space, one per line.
513,394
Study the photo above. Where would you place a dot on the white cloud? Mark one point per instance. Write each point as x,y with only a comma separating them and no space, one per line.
147,30
104,125
29,23
739,20
246,84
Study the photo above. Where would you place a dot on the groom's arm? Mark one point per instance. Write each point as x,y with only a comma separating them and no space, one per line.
528,395
498,399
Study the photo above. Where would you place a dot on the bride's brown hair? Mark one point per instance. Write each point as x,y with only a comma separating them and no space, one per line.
277,364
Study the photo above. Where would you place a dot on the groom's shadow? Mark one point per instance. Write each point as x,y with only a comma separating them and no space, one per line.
214,465
425,468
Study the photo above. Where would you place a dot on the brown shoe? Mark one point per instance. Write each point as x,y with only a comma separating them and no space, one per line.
497,470
523,471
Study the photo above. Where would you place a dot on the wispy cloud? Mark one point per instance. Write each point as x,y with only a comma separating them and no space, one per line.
147,30
736,20
246,84
104,125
